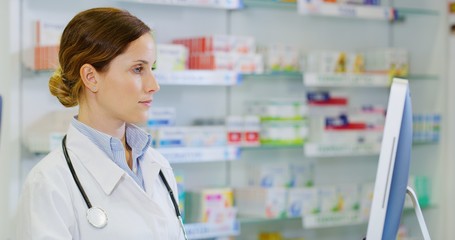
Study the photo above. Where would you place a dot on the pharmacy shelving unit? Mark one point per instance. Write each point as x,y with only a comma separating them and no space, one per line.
269,21
315,27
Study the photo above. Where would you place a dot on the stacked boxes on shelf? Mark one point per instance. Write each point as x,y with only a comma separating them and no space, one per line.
280,202
426,128
354,2
161,117
326,102
391,62
214,205
273,189
333,121
191,136
171,57
181,194
422,187
161,125
223,52
334,62
243,130
282,58
43,54
282,121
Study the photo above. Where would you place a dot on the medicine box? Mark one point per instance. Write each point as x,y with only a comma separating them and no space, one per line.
214,205
191,136
261,202
283,132
301,174
283,58
348,197
219,43
278,109
161,117
391,61
302,202
269,175
228,61
43,52
171,57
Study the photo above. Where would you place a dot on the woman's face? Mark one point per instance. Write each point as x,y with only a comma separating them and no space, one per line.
126,89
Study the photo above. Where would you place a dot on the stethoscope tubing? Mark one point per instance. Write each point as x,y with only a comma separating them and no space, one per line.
73,173
89,204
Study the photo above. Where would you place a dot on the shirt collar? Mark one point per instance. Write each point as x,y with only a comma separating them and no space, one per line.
136,138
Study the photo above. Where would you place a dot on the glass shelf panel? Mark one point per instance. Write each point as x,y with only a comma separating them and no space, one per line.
413,77
277,4
416,11
273,147
274,75
259,220
361,220
292,5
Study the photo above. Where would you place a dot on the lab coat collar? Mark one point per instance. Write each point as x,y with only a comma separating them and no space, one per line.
97,163
151,169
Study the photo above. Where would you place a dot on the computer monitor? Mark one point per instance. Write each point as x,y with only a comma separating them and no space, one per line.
393,167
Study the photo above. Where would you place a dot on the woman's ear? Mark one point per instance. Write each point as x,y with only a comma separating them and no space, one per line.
88,75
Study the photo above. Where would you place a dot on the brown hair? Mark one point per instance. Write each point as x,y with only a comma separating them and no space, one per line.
95,36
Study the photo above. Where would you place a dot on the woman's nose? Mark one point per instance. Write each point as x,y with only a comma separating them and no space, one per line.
151,83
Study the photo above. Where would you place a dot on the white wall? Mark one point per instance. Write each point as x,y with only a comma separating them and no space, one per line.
9,89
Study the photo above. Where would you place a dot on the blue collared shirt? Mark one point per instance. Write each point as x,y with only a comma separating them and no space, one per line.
136,138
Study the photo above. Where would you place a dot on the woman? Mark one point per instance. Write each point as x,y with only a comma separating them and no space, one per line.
106,60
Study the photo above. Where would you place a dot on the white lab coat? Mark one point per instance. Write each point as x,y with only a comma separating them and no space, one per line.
51,206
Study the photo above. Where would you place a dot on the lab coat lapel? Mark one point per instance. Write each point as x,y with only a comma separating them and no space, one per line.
150,170
103,169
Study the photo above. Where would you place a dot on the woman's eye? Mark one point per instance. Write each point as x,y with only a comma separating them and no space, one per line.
154,67
137,69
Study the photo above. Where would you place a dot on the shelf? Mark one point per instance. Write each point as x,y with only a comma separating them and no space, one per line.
271,147
275,4
211,230
187,77
259,220
424,143
221,4
416,11
418,77
272,76
198,78
324,220
346,10
341,149
345,80
200,154
346,149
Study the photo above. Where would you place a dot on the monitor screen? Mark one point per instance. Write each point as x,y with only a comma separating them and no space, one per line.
393,166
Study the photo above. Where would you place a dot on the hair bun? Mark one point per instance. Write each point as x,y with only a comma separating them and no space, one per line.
59,87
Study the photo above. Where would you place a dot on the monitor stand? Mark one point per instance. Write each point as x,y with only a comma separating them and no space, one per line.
415,203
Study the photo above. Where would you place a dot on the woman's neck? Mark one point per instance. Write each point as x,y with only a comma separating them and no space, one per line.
102,123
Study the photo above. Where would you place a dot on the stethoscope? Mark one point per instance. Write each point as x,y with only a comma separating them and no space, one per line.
96,216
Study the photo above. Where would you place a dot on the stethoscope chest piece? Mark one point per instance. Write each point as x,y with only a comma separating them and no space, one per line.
97,217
